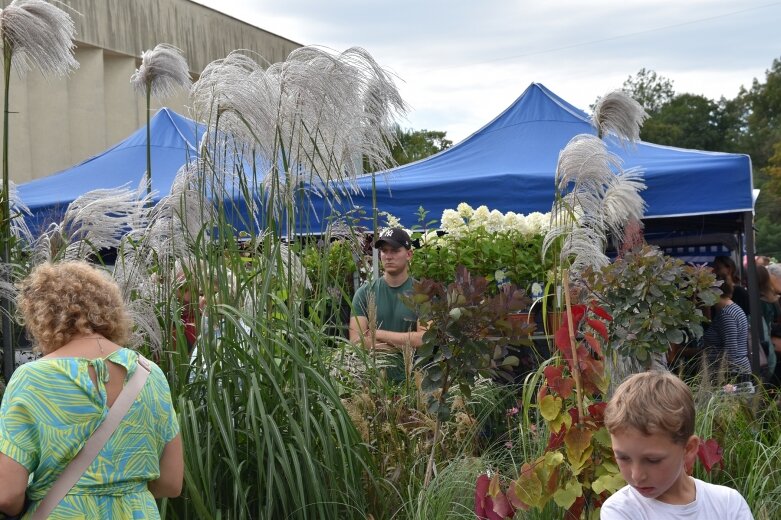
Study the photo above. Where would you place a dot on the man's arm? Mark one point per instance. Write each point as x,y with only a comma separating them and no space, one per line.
384,340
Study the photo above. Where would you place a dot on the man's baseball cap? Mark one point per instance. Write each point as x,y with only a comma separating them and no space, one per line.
394,237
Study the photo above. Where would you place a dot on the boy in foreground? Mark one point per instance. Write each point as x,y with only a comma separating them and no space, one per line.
650,419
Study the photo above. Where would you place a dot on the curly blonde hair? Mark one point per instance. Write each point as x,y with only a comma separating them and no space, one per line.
59,301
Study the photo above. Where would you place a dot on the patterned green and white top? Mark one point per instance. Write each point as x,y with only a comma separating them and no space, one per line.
49,410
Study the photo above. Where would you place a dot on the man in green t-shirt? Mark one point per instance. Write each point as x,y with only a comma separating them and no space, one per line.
397,324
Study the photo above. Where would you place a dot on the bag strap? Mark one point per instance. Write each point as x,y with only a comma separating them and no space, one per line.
76,467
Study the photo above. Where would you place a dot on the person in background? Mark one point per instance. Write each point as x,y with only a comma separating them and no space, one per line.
397,325
727,337
76,317
725,269
771,315
775,277
651,419
775,339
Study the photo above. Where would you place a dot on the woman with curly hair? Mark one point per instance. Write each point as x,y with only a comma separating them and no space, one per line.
76,317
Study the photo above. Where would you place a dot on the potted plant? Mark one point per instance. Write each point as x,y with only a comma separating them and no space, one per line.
655,301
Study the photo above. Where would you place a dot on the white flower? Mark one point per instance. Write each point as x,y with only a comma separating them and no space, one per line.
451,220
430,237
391,221
536,222
495,221
465,210
479,218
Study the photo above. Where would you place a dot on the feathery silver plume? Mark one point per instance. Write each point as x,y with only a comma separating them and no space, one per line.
162,72
622,201
19,211
94,221
617,113
585,161
39,35
310,119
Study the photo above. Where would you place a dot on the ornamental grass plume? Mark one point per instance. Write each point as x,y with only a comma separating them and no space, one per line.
595,197
617,113
162,72
95,221
34,34
313,120
37,34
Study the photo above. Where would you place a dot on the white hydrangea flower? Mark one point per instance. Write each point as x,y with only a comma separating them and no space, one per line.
465,210
495,221
522,225
480,217
392,222
536,221
430,237
451,220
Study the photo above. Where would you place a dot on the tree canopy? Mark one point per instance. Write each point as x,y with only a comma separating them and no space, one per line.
414,145
750,123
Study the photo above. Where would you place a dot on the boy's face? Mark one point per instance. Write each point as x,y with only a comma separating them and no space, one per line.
654,464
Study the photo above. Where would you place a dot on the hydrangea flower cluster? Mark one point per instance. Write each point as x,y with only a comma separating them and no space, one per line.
460,221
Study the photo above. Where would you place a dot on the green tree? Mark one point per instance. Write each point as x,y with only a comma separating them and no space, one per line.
414,145
759,135
760,114
649,89
688,121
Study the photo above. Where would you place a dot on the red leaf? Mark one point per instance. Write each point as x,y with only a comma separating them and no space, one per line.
599,327
556,439
562,386
597,412
574,512
593,343
710,454
481,490
601,312
501,508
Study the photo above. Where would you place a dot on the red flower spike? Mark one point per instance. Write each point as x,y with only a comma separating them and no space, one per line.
710,454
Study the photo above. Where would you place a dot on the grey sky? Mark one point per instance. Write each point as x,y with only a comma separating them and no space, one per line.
460,63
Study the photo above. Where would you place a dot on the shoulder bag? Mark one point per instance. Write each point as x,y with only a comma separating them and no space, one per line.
76,467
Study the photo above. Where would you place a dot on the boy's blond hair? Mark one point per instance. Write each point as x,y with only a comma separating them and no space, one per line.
652,402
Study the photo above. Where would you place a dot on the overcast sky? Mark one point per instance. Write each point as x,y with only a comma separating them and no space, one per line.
459,63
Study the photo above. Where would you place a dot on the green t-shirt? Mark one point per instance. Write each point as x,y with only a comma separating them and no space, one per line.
392,315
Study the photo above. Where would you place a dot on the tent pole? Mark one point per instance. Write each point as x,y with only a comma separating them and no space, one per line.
753,289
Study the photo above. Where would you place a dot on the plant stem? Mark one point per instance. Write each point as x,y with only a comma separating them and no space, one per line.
148,141
5,215
574,346
437,424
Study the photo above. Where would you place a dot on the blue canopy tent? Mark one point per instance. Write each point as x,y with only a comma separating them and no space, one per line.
174,142
510,164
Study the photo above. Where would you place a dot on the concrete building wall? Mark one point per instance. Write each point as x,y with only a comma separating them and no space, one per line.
58,122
